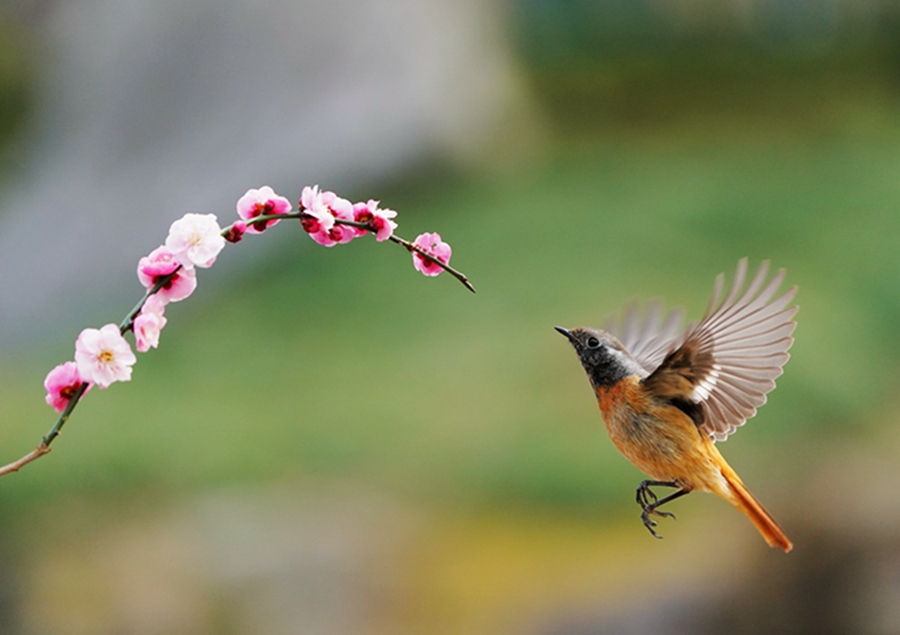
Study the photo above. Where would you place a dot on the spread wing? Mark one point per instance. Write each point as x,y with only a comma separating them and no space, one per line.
728,362
645,335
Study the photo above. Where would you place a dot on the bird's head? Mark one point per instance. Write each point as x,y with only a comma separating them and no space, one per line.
604,358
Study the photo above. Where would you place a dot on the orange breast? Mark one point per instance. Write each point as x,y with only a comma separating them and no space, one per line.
627,393
658,438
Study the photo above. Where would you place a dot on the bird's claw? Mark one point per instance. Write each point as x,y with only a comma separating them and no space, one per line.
644,495
649,523
649,502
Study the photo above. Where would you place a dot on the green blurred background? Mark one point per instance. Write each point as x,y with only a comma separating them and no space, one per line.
332,443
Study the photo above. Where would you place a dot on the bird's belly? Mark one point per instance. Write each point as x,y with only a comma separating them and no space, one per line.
666,445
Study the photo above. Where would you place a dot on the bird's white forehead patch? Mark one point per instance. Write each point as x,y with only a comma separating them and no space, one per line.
704,389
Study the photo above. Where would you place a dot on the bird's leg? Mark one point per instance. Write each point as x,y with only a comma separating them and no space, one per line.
649,502
645,496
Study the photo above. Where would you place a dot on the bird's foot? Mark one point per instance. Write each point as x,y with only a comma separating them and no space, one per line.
649,523
649,503
645,496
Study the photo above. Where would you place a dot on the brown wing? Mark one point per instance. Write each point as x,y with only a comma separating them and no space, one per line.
645,335
729,361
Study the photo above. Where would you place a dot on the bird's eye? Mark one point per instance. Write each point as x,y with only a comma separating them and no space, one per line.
593,342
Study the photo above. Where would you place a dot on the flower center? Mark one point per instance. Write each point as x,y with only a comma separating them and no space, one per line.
105,357
69,391
310,223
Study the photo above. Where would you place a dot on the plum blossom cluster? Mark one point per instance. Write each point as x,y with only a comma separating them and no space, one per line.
103,356
331,220
169,274
327,218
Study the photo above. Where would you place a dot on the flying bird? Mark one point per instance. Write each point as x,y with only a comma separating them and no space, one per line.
668,395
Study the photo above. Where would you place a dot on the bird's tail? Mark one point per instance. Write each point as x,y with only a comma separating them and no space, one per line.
747,503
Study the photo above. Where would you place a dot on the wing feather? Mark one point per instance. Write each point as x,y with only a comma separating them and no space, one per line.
730,360
645,335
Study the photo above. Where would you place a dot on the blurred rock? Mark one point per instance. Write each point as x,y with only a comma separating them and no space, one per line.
151,109
342,558
262,559
842,578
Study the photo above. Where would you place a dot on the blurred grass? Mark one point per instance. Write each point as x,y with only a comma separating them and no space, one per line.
345,363
666,166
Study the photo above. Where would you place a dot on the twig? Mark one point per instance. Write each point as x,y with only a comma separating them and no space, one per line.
459,275
15,466
54,431
127,324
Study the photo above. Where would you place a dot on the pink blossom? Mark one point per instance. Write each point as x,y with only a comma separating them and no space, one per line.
195,240
378,219
62,383
338,208
149,323
161,262
434,246
234,233
316,216
103,356
263,201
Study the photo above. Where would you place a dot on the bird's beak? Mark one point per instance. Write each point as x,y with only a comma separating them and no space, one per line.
565,332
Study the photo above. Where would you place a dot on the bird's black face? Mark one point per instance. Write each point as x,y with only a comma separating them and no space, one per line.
603,357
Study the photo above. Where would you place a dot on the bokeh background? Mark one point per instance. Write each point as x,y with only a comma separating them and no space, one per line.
326,442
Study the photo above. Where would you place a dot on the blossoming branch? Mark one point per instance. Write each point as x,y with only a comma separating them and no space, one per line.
169,273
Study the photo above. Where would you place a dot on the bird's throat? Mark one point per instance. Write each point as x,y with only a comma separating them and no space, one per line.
605,375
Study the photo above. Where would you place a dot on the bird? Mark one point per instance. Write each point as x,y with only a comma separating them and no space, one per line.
667,395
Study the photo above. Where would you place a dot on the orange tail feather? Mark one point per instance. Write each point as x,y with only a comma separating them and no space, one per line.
747,503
